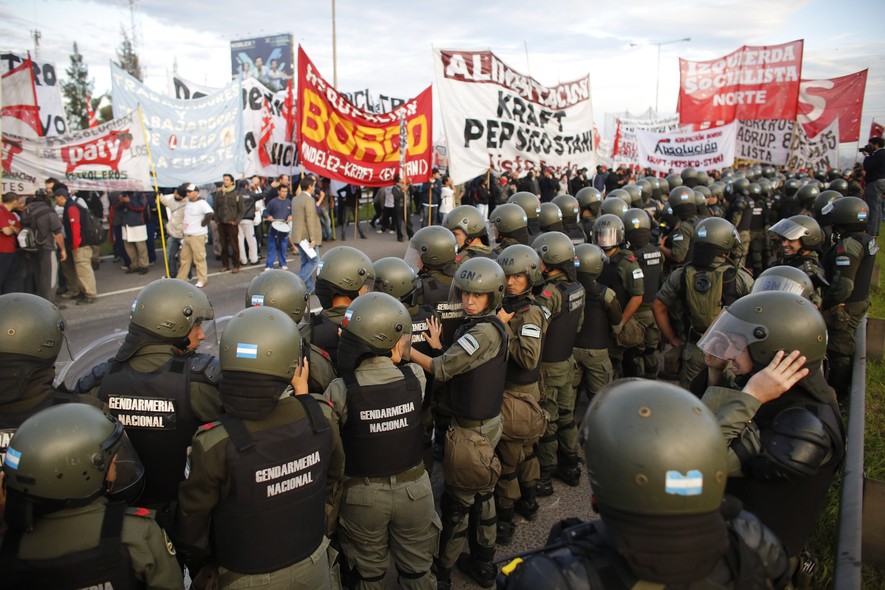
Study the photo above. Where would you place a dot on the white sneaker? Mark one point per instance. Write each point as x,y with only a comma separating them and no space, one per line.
266,269
200,284
391,232
284,268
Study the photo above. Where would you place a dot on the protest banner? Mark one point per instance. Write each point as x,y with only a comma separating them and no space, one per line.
820,152
342,142
20,113
751,83
268,59
112,156
496,118
53,120
767,142
186,90
194,141
371,102
823,101
707,150
624,148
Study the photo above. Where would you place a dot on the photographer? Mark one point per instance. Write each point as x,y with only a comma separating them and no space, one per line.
874,180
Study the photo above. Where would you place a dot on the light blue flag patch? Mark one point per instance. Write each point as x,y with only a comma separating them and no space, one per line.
12,458
690,484
257,300
247,351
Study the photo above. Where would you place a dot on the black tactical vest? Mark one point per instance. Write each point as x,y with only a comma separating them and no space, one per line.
744,223
611,278
595,330
383,432
516,373
478,393
106,566
563,328
274,516
324,335
420,330
156,410
574,231
650,260
759,213
864,272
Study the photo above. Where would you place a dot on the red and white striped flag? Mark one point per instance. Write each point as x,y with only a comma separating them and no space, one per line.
21,115
93,120
876,129
265,138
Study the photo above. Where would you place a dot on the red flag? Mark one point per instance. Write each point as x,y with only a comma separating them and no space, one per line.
93,121
876,130
616,144
265,138
20,101
289,112
823,101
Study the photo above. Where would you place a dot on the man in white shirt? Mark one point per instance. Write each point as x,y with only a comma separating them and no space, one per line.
175,204
197,214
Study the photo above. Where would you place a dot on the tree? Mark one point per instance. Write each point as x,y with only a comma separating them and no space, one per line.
76,89
127,58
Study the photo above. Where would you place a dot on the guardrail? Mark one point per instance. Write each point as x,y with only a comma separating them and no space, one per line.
847,574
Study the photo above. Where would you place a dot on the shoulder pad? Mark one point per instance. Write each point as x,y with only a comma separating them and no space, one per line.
208,426
207,366
761,541
141,512
609,295
92,379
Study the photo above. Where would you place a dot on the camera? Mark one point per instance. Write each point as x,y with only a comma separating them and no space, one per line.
867,149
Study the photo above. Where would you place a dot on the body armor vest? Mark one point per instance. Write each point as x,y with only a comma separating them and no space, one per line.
383,434
450,314
324,335
563,328
650,260
478,393
274,515
611,278
595,330
516,373
704,293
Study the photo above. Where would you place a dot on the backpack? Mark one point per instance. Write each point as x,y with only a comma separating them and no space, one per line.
92,233
27,237
706,292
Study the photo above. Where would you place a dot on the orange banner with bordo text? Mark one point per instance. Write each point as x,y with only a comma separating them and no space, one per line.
343,142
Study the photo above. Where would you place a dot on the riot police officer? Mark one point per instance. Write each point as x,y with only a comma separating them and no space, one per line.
571,212
531,204
378,401
637,230
255,494
658,465
563,301
523,420
550,219
469,228
784,278
476,362
511,226
590,200
158,386
65,466
801,238
677,245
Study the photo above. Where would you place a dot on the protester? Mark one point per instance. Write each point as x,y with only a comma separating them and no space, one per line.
197,214
229,211
130,207
10,226
81,252
306,233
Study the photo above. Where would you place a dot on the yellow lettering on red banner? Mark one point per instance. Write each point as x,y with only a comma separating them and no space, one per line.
313,124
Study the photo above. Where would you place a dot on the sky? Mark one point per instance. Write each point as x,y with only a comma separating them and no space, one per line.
386,45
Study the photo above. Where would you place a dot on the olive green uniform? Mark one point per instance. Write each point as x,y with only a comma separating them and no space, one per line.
387,516
593,366
209,483
631,281
681,239
322,371
72,530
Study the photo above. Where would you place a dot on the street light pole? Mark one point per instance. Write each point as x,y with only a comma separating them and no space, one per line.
658,70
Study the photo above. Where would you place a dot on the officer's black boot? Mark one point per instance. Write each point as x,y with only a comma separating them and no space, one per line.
443,576
527,506
568,470
544,485
506,526
478,565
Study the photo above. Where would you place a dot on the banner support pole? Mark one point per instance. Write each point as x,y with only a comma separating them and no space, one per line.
147,144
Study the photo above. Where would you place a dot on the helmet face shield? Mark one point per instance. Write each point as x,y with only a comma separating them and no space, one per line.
788,229
125,476
729,337
413,257
606,237
779,283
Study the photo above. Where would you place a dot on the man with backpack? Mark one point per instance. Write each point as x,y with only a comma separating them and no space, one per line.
40,238
81,234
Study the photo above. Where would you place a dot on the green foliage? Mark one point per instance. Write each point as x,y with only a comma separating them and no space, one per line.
127,58
76,89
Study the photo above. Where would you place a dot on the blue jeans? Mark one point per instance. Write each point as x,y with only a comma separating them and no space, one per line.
173,245
276,246
308,265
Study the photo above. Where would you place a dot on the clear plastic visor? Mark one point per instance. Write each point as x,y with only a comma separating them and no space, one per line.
787,229
606,237
777,283
729,336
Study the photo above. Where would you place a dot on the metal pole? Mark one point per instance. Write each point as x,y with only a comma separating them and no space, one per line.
334,50
658,80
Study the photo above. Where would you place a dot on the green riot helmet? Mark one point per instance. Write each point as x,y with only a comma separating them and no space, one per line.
654,449
30,326
635,194
531,205
613,206
510,221
680,197
741,186
280,289
432,247
754,172
557,251
621,194
807,194
551,217
258,341
713,236
769,172
673,181
820,203
571,210
820,176
608,232
788,279
833,174
754,191
656,188
848,214
468,219
717,189
763,324
62,457
373,324
665,186
791,187
701,194
343,271
765,187
169,308
520,259
689,177
590,199
636,219
704,179
591,261
396,278
480,275
645,190
840,185
802,228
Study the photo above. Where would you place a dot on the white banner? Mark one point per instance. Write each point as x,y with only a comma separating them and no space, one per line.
624,148
191,140
186,90
268,150
112,156
818,153
53,120
767,142
495,117
711,149
20,113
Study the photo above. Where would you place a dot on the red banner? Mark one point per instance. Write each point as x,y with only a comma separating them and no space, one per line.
343,142
752,83
823,101
876,129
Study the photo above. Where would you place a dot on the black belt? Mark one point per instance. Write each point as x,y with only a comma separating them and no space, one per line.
408,475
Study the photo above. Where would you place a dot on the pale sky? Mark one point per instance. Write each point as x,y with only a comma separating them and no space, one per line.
386,46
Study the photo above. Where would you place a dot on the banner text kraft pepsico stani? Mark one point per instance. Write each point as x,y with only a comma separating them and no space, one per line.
345,143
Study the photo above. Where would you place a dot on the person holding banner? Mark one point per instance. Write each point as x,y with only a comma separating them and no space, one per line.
874,180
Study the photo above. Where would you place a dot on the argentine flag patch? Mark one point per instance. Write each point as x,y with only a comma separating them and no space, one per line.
247,351
257,300
468,343
12,458
690,484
